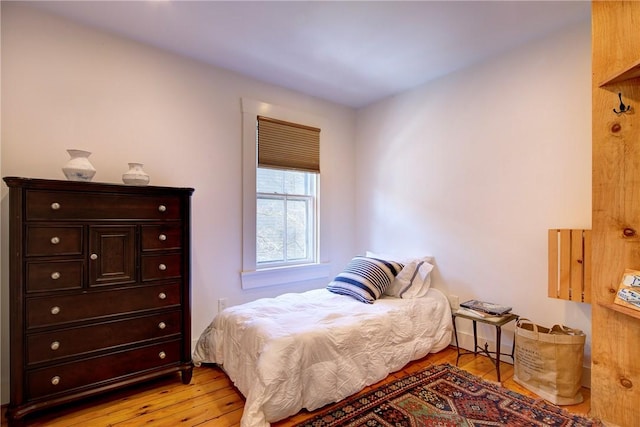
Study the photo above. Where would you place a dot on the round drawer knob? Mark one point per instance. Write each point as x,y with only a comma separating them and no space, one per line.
162,267
162,237
55,206
162,208
55,345
162,295
55,310
55,275
162,355
55,240
162,325
55,380
94,256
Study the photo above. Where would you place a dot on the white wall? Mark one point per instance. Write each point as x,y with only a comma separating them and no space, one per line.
475,167
472,168
66,86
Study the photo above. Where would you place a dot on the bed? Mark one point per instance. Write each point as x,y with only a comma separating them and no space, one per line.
305,350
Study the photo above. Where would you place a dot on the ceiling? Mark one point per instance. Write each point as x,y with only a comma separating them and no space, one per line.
349,52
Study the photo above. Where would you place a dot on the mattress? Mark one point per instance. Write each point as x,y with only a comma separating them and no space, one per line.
310,349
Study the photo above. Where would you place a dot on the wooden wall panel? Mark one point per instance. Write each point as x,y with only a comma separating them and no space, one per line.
615,377
570,264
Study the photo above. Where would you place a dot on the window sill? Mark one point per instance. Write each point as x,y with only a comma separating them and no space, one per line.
283,275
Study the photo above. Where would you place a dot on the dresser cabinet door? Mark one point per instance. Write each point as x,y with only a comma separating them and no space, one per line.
112,255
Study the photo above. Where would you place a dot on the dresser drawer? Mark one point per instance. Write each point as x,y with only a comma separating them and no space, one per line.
156,267
54,275
48,241
53,345
161,237
52,205
93,371
58,309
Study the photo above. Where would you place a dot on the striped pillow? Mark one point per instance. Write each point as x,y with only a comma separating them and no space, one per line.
365,279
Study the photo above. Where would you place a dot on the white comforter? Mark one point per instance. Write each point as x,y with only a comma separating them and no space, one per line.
307,350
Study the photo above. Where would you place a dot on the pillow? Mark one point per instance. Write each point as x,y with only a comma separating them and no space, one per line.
413,281
365,278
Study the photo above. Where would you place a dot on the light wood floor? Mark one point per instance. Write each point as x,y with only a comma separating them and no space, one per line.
212,400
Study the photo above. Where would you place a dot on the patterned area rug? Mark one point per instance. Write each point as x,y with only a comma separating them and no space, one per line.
443,395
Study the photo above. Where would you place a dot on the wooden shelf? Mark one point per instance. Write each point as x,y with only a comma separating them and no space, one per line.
620,309
632,72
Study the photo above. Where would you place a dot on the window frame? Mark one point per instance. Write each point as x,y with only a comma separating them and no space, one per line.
251,275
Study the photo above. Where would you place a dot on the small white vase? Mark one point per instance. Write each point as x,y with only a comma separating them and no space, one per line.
135,175
79,168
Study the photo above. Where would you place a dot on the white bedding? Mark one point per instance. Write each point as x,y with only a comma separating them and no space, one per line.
307,350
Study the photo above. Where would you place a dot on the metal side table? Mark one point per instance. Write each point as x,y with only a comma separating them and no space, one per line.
498,322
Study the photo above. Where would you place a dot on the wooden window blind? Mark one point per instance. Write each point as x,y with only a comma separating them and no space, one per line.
286,145
570,264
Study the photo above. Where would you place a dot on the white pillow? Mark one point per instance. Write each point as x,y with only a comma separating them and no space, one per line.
413,281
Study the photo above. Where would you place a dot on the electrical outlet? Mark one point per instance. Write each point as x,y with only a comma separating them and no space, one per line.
454,302
222,304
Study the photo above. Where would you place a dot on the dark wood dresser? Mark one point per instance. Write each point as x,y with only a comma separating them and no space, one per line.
99,289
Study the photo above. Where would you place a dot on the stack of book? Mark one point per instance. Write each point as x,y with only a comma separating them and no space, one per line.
484,309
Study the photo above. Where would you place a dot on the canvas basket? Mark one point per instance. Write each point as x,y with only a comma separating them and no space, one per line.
548,362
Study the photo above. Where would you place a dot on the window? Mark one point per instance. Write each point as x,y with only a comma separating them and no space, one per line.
285,217
281,198
288,162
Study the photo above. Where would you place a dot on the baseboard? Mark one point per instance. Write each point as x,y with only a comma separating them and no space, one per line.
465,340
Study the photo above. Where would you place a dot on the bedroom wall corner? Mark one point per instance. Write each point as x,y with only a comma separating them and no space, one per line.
69,86
475,167
4,250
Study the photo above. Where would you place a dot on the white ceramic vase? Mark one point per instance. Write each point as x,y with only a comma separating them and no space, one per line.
79,168
135,175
